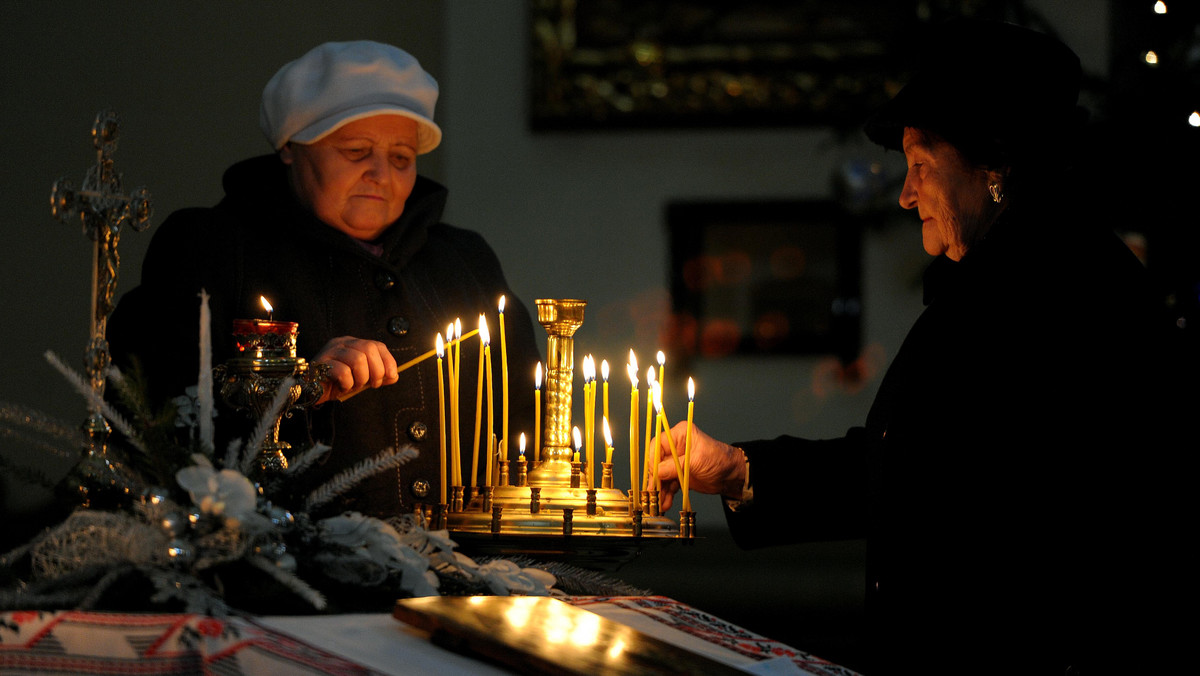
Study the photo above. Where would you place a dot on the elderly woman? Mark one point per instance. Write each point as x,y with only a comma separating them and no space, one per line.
339,232
1013,475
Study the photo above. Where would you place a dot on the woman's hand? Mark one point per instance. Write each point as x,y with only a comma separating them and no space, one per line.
355,364
716,467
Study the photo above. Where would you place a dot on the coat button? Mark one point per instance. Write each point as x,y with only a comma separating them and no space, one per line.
420,488
398,326
384,280
417,431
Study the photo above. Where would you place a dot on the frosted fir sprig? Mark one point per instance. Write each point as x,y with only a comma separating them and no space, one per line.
97,401
305,459
349,478
289,580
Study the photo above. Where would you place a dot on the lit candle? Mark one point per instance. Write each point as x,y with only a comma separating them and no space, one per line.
608,444
537,412
589,419
604,376
651,468
503,380
687,447
491,421
522,475
265,338
665,426
484,338
455,330
662,369
633,424
578,441
440,348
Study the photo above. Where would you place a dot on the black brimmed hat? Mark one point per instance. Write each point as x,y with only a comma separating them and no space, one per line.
995,90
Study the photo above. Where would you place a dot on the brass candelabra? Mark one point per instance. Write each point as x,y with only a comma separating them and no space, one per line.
550,511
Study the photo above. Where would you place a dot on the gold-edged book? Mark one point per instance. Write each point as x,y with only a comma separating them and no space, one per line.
542,635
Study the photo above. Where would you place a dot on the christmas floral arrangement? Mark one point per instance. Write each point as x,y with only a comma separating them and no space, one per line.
190,525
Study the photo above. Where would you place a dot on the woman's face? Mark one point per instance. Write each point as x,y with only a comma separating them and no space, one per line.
357,178
950,195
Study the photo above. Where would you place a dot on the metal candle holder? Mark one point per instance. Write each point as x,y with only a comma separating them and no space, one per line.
553,516
266,363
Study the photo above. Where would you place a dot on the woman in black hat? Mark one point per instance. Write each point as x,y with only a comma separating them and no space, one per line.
1014,477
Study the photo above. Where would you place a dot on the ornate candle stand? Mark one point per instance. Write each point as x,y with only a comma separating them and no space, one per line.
266,363
103,210
555,515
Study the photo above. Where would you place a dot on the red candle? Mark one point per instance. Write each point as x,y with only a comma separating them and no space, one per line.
265,338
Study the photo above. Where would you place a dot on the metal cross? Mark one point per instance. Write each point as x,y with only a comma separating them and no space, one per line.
102,209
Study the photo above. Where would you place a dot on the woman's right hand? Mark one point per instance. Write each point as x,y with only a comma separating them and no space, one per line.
355,364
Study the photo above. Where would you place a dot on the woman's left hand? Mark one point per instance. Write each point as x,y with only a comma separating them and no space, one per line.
355,364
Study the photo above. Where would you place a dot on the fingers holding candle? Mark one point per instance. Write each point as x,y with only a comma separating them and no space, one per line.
714,467
355,364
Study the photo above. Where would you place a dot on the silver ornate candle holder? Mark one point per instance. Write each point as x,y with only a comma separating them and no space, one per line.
555,515
252,381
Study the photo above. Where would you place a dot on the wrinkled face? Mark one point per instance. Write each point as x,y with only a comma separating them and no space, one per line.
357,178
950,195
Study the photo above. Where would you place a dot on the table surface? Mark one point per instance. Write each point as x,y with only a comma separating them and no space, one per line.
67,642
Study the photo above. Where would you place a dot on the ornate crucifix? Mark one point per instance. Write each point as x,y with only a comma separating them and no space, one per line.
102,209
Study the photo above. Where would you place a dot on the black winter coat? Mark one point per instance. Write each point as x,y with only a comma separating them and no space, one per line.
259,241
1018,478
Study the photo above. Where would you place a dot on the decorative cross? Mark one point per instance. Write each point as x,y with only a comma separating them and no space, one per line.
101,208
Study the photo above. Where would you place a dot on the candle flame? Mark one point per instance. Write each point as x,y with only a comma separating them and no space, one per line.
521,443
607,433
501,304
662,358
450,331
632,369
656,395
632,360
691,389
576,435
537,377
651,376
440,346
589,369
266,304
604,369
458,329
484,335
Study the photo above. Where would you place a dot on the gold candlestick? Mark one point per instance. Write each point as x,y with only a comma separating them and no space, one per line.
560,318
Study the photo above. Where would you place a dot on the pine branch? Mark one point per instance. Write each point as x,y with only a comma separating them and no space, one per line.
96,401
292,582
36,421
305,460
351,477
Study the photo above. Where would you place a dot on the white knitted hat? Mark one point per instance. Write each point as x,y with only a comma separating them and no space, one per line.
339,82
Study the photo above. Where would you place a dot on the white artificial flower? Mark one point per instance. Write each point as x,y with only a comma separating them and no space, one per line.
225,493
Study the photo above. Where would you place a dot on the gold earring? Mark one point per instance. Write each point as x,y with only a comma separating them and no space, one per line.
997,195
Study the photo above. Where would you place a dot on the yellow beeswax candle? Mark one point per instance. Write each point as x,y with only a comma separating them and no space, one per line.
503,380
441,418
687,447
634,428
